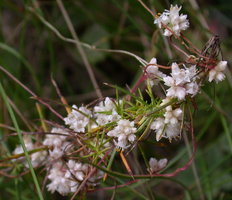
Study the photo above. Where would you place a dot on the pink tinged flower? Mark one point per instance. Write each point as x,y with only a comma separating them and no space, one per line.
216,73
153,73
157,165
167,33
169,126
182,76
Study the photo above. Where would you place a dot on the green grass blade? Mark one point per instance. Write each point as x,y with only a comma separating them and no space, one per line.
11,112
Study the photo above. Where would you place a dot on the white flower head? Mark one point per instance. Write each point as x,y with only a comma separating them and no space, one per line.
105,112
78,119
172,21
58,180
124,132
169,130
181,82
65,178
217,73
169,125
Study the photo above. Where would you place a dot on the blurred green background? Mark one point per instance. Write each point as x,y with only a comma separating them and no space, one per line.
33,53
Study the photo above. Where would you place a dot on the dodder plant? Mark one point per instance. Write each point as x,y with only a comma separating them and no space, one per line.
80,153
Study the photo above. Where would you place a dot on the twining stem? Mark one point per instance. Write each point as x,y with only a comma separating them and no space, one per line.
85,45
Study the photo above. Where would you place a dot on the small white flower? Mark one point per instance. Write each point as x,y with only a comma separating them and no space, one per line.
181,82
28,143
172,131
158,125
124,132
216,73
78,120
77,169
66,178
172,21
154,75
58,181
169,125
157,165
172,116
55,139
106,106
192,88
37,158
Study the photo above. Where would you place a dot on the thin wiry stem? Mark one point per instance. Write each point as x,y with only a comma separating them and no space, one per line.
167,45
153,13
30,92
144,5
195,173
88,46
62,99
20,114
194,169
79,48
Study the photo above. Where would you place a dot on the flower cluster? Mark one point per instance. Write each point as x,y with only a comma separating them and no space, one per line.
65,175
65,178
169,125
78,119
172,21
57,141
181,82
124,132
101,110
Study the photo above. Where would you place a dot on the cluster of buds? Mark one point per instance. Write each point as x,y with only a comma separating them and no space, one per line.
91,132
